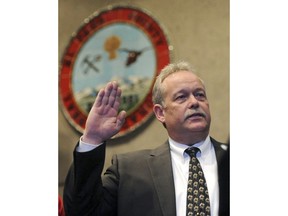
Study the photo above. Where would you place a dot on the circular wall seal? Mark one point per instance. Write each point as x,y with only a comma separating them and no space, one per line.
118,43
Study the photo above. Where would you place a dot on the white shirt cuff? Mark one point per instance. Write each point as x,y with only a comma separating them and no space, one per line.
85,147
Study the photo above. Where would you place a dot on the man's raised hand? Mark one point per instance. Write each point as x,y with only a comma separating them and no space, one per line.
103,120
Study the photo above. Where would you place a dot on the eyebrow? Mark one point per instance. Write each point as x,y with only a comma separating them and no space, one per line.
193,90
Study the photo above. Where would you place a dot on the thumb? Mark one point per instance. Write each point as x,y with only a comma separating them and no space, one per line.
120,119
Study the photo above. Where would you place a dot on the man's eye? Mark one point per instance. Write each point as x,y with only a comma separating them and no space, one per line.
200,96
180,97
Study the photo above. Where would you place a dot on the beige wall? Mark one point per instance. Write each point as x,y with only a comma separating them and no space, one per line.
199,32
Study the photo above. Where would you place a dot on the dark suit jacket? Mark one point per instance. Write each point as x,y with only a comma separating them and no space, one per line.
138,183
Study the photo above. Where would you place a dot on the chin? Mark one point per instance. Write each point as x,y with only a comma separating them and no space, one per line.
202,129
198,127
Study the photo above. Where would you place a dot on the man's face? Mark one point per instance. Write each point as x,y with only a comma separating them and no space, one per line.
186,108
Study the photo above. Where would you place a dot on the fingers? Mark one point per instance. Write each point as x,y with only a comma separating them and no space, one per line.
115,94
99,98
109,96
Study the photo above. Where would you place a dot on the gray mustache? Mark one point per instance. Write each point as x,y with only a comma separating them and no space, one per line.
195,113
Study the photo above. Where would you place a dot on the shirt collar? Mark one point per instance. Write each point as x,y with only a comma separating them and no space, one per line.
179,149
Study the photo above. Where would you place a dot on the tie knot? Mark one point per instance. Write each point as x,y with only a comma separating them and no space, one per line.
192,151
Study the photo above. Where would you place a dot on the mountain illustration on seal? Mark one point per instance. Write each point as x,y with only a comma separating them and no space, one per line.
134,90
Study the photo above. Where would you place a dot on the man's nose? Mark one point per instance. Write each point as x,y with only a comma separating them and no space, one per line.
193,102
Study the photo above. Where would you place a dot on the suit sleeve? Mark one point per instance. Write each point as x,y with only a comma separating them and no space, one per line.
84,193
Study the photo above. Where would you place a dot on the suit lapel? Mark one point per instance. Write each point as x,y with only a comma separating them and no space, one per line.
219,151
222,156
162,174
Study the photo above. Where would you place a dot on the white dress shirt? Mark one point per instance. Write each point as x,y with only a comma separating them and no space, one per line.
180,165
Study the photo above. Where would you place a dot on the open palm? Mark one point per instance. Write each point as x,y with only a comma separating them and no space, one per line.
103,120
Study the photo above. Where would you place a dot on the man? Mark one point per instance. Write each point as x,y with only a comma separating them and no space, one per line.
147,182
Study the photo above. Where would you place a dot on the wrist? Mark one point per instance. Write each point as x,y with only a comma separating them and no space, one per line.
92,140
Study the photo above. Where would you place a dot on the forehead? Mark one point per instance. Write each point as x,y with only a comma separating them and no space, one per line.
182,79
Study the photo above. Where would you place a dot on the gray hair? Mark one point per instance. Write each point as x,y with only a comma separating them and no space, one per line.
157,93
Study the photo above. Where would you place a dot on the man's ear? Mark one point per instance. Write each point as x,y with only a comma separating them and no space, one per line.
159,112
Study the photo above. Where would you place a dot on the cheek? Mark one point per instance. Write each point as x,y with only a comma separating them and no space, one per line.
175,114
206,109
175,110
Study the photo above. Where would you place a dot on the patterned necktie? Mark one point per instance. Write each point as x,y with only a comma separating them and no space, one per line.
197,192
